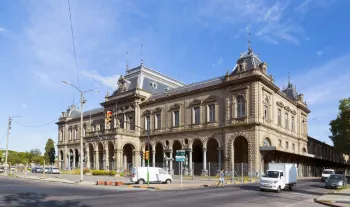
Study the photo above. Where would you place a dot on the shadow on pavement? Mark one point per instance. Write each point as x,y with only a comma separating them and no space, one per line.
256,188
37,200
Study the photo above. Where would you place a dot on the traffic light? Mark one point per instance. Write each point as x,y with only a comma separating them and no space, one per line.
144,155
109,115
147,155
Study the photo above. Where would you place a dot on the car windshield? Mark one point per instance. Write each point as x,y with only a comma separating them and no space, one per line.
327,172
336,177
271,174
55,168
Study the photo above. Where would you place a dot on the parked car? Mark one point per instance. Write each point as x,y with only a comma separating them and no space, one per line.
336,181
39,170
326,173
53,170
156,175
279,176
2,170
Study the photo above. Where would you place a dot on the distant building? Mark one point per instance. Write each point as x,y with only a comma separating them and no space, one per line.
237,121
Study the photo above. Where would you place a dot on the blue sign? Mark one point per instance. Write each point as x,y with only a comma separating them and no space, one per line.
180,156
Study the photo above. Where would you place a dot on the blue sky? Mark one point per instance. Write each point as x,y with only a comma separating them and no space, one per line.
188,40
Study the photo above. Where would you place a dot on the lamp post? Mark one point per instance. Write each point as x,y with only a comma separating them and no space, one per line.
82,102
7,141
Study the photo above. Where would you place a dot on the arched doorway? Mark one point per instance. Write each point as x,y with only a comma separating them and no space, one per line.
76,159
176,165
128,156
91,157
71,159
197,156
159,155
213,156
268,157
61,160
241,155
111,156
100,156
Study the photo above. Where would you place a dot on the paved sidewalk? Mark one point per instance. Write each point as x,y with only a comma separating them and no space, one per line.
337,198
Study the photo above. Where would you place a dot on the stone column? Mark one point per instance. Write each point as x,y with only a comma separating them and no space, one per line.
133,158
68,166
74,160
204,170
171,163
219,158
118,162
107,167
88,158
97,160
190,161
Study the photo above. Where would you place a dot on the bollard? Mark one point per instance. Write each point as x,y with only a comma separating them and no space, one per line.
209,169
192,170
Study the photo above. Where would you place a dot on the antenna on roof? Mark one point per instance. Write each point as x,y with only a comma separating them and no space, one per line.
127,61
141,54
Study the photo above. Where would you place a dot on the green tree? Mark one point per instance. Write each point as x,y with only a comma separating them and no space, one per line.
50,153
340,127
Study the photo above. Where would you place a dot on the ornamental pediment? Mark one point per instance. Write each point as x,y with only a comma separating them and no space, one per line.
293,112
287,108
211,98
147,112
157,110
175,106
279,103
195,102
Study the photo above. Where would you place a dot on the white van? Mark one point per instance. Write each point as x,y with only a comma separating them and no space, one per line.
279,176
156,175
326,173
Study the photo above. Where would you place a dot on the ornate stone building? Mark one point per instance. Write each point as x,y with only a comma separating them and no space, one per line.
237,121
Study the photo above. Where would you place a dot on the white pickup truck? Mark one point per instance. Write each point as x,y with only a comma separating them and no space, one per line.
279,176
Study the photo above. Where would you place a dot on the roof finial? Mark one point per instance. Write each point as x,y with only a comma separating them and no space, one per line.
249,47
288,79
127,61
141,54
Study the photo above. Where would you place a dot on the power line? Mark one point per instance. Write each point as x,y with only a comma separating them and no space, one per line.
75,56
36,125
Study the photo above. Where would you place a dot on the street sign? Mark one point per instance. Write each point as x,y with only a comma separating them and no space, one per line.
180,156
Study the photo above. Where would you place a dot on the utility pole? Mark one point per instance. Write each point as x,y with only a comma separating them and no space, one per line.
7,141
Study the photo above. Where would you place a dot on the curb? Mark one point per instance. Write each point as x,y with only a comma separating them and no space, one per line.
326,203
144,187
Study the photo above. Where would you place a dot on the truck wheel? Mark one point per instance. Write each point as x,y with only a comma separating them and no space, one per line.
278,189
168,181
141,181
290,187
261,189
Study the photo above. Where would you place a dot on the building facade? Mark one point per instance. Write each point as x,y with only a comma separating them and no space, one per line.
240,121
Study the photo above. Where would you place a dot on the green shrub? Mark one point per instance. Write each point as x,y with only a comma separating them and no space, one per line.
122,174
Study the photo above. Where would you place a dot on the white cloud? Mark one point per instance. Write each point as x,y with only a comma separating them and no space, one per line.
306,5
269,19
109,81
218,62
323,87
321,52
2,29
24,106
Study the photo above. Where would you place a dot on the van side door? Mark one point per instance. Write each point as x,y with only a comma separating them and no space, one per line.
162,176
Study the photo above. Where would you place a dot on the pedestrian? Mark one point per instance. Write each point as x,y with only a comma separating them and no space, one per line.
222,178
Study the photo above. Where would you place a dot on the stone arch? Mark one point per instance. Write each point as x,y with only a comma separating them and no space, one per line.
205,142
266,142
101,158
176,145
191,141
213,146
128,155
232,151
197,155
91,158
159,156
111,158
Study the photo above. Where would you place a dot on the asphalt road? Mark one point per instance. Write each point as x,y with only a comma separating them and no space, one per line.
18,192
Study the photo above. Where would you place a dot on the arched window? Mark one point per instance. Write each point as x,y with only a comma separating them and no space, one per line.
70,134
240,106
266,142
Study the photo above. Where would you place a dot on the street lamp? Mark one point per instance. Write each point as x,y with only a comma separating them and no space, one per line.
82,102
7,141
